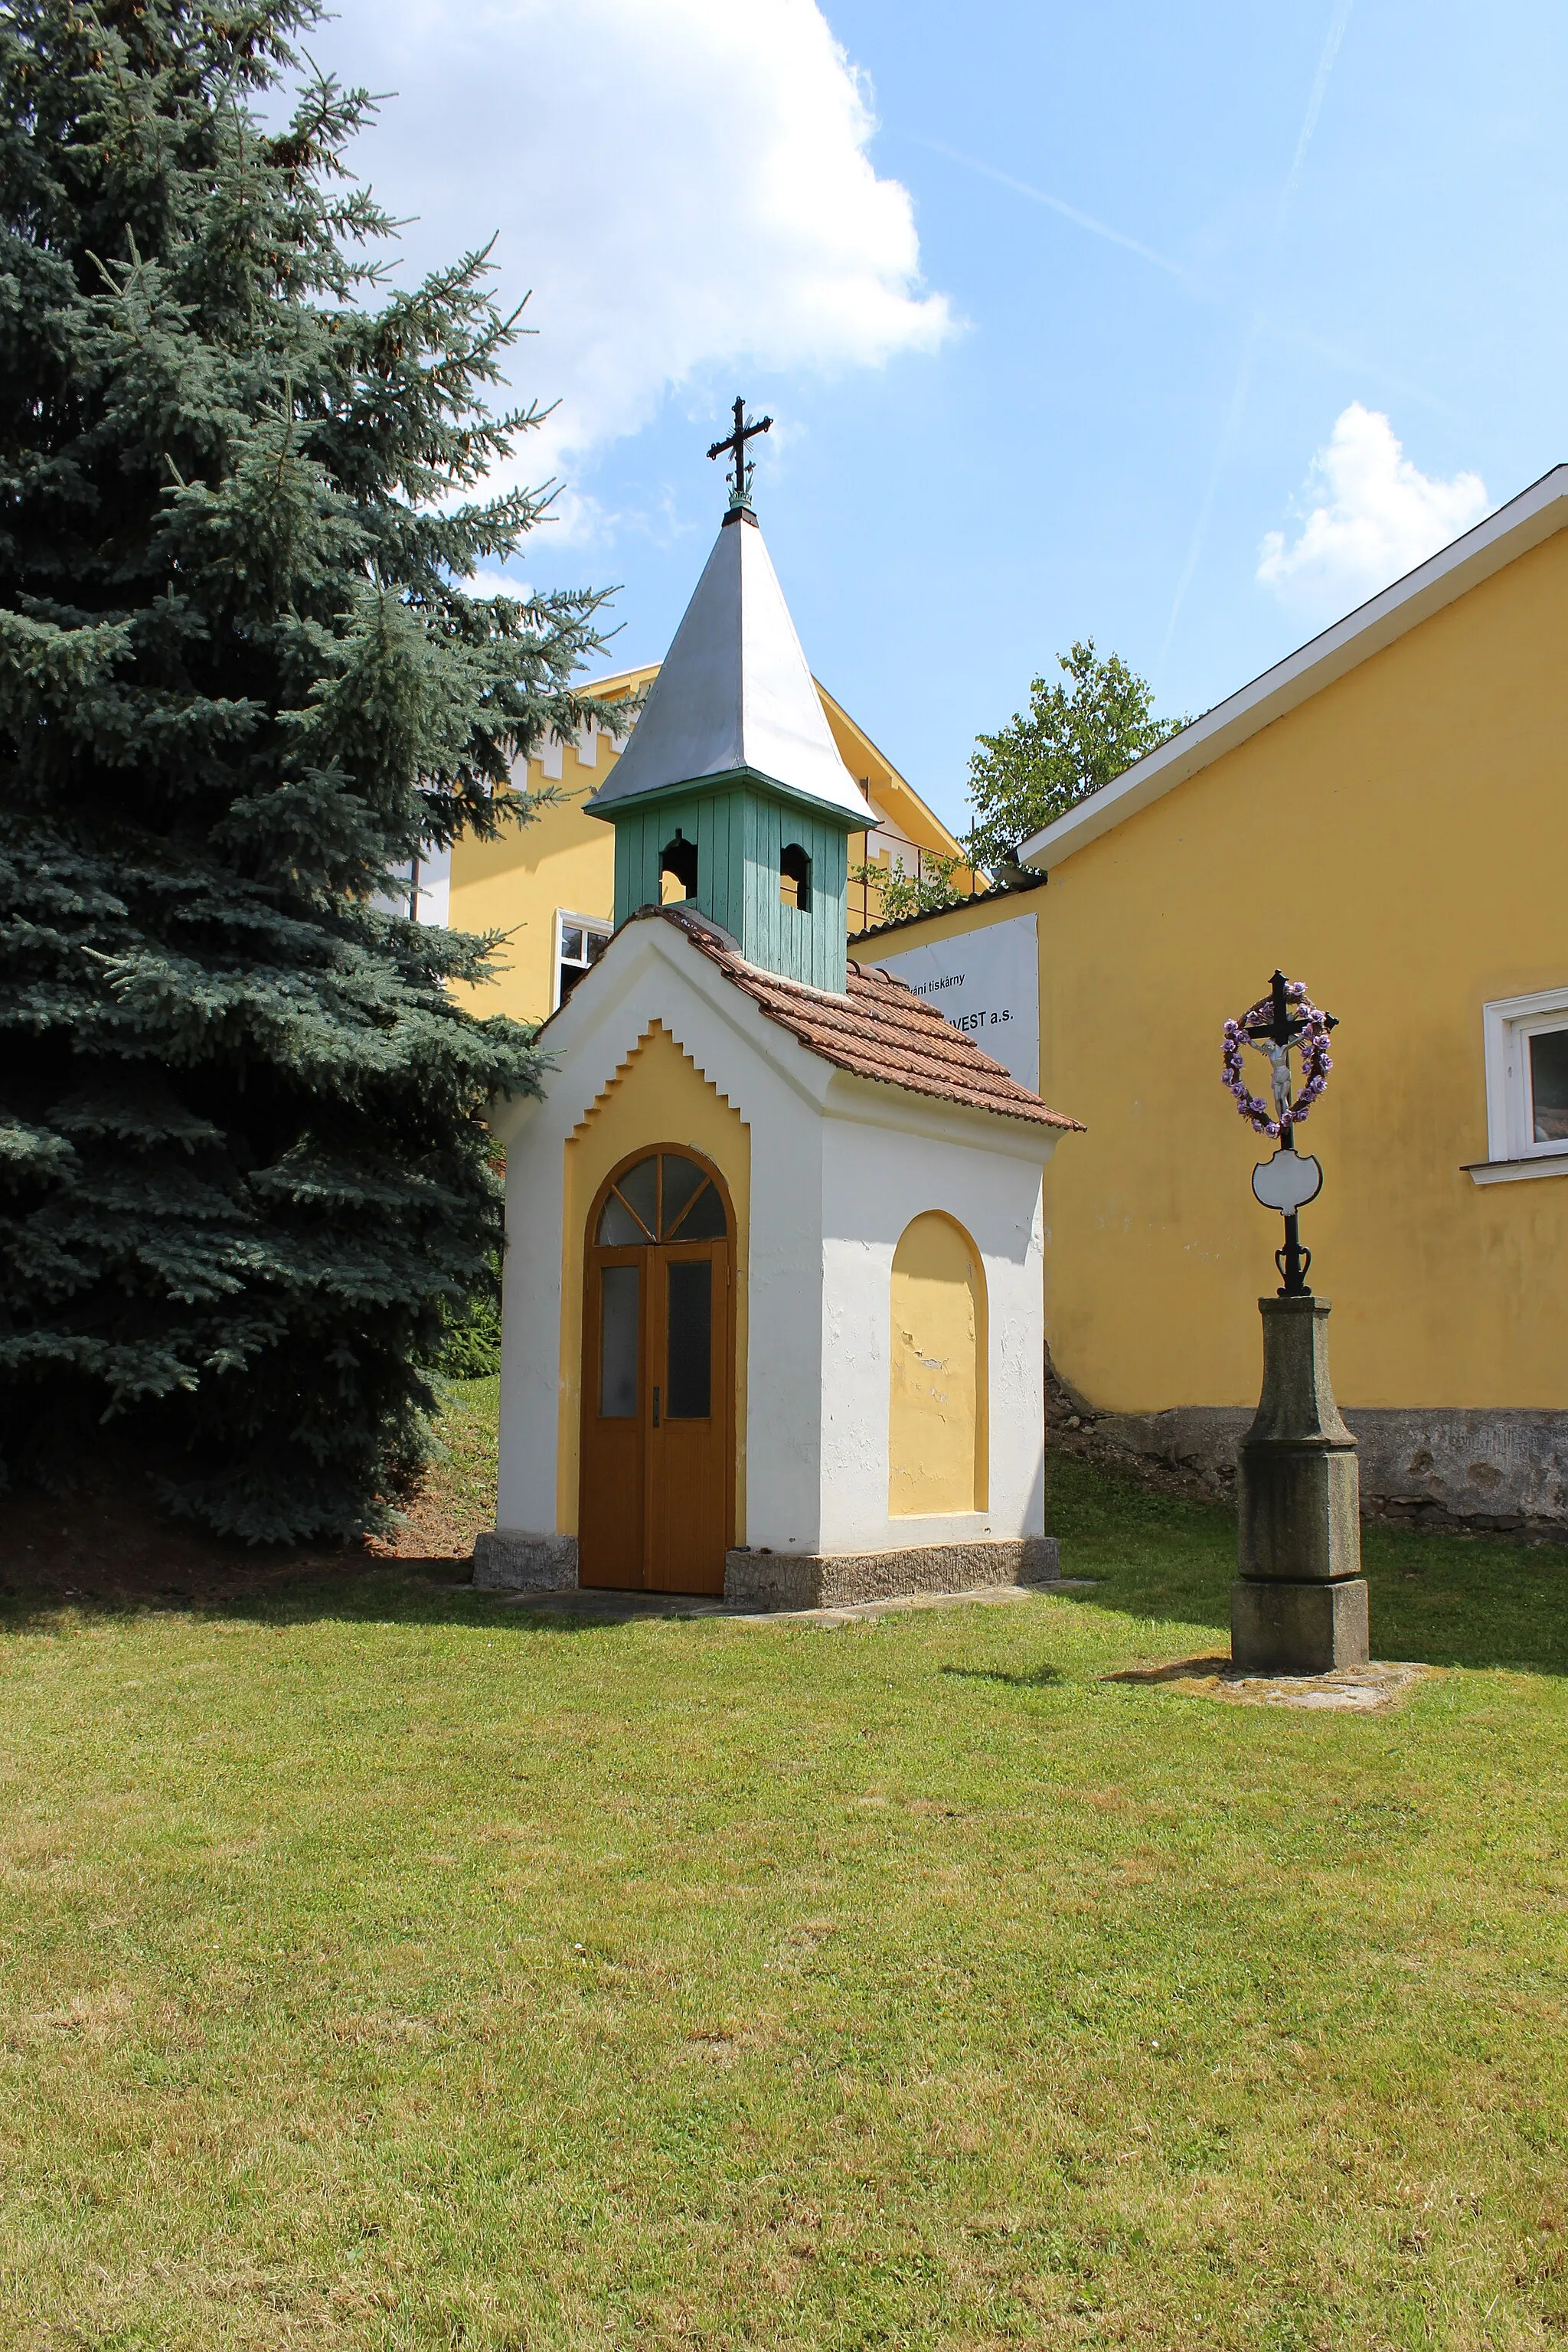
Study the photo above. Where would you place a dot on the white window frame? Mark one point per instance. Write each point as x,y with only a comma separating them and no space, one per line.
563,916
1506,1027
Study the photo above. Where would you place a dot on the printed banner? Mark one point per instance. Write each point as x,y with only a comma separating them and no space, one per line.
987,983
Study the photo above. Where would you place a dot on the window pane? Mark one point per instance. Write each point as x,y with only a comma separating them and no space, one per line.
638,1188
687,1394
594,943
682,1177
704,1220
1549,1085
618,1341
618,1229
571,943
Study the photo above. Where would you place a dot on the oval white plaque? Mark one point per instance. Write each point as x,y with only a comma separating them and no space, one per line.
1288,1181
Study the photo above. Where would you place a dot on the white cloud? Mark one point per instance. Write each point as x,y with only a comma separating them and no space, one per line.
685,185
1375,517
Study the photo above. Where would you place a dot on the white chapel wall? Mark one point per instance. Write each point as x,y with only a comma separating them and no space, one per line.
877,1180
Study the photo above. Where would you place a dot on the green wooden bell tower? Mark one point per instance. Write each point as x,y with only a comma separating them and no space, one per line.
731,794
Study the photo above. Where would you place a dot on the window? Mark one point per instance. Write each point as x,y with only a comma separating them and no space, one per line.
794,877
579,942
1548,1050
677,870
1527,1084
665,1197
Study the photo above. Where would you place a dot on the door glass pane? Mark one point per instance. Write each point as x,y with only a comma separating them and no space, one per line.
681,1179
618,1341
704,1220
1549,1085
618,1229
689,1391
638,1188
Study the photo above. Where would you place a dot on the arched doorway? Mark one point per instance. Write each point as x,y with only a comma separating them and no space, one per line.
656,1501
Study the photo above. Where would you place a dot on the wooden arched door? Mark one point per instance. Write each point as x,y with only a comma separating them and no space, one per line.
655,1497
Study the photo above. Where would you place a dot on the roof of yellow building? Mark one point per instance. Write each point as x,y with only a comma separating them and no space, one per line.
1522,524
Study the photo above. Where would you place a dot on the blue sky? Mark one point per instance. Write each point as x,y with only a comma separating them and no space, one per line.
1183,329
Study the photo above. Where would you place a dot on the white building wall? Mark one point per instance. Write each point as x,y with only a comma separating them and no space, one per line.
878,1177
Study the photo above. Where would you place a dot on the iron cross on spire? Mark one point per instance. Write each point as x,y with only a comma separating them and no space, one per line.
734,444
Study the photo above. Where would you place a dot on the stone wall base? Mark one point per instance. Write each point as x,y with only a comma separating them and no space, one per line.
779,1579
1282,1628
506,1561
1504,1469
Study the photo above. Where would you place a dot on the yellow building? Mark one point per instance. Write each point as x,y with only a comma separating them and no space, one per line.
1384,815
550,885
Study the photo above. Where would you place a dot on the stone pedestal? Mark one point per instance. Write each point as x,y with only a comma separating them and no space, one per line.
1299,1605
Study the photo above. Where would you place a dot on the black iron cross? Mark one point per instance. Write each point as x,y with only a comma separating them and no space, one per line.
1283,1025
734,444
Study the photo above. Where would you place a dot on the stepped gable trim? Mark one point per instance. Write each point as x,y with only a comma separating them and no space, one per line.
879,1029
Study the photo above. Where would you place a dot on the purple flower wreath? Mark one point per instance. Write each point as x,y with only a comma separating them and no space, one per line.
1313,1042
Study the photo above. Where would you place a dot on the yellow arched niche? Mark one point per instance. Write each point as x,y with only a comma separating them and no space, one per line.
937,1450
657,1095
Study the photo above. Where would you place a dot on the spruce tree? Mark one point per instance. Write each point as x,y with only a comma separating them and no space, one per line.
243,1163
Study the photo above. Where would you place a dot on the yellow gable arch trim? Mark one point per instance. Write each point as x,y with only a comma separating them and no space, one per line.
659,1095
937,1440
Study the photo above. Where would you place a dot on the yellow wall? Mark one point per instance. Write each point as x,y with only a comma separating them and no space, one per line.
566,860
937,1453
657,1097
562,859
1400,843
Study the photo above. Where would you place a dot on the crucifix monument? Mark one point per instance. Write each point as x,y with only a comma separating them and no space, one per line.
1299,1604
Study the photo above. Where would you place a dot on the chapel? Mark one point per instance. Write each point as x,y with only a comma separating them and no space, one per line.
773,1320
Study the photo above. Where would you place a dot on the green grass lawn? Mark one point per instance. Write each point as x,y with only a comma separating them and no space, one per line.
381,1966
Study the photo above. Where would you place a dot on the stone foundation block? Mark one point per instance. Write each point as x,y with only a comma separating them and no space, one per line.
1278,1628
506,1561
778,1579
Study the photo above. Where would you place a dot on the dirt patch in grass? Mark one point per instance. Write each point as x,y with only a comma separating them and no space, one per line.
111,1542
1352,1690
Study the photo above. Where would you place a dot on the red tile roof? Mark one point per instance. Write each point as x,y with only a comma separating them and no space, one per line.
880,1029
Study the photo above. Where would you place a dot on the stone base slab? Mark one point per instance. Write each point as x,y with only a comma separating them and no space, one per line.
506,1561
1278,1628
779,1579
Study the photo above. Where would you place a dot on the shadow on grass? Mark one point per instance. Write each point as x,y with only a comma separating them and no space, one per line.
351,1588
1035,1678
1451,1600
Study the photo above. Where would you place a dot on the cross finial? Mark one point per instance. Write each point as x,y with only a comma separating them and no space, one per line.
733,444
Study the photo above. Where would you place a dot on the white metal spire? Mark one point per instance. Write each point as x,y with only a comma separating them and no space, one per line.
735,693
